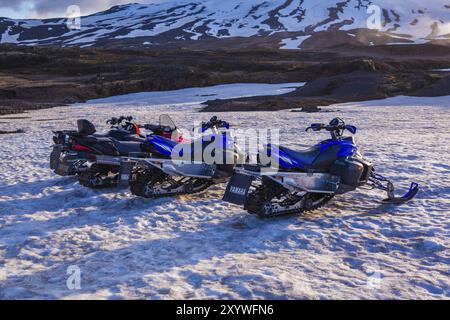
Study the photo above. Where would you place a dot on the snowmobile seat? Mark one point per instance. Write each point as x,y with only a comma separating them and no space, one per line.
127,148
123,135
306,157
103,145
120,135
85,127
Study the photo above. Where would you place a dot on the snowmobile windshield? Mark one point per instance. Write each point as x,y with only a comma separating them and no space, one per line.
166,121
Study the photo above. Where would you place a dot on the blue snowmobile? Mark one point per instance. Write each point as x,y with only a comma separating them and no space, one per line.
177,168
294,182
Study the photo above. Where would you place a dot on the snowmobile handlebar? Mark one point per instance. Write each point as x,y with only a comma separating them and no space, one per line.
116,121
336,127
127,124
214,122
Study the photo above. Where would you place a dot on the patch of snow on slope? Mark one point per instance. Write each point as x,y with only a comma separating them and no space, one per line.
293,43
197,95
7,37
198,247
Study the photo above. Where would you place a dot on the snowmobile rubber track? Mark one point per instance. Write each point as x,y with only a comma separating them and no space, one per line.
86,179
257,209
140,178
269,190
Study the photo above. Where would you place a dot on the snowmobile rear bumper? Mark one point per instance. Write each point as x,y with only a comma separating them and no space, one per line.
55,157
63,164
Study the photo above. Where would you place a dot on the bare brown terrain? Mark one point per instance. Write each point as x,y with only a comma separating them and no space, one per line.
356,74
42,77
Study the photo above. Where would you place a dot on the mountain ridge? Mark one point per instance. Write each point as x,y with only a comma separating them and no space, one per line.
289,24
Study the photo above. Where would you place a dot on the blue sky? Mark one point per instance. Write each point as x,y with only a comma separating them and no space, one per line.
55,8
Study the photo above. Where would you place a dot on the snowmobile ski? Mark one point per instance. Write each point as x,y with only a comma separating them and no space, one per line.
412,192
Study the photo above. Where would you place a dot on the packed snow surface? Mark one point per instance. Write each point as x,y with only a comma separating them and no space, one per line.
200,247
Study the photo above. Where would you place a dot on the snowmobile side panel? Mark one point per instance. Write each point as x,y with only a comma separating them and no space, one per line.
326,158
310,182
194,170
353,172
108,160
298,181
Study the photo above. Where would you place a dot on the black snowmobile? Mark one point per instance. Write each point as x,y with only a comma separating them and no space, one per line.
101,161
286,181
66,153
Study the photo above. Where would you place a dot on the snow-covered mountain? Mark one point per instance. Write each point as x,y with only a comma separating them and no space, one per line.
290,22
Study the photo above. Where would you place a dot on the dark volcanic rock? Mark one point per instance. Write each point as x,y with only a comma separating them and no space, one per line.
266,103
440,88
42,77
355,86
11,132
342,67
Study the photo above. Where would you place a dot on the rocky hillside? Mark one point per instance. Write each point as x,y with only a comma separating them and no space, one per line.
34,77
